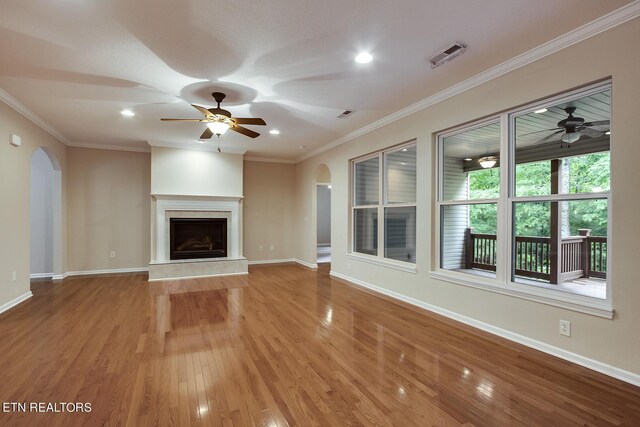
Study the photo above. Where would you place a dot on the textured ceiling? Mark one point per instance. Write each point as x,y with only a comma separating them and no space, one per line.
76,64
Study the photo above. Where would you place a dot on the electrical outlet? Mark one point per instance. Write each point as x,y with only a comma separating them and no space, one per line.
14,276
112,254
565,328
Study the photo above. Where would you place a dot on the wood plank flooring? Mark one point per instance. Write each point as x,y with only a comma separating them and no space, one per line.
282,346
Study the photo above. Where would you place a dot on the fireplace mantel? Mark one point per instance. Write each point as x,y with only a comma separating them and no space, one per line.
168,206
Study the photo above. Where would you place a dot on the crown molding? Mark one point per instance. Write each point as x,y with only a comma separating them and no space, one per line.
112,147
269,160
196,146
37,120
597,26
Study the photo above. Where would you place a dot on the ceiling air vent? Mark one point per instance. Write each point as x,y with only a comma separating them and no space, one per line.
447,54
345,113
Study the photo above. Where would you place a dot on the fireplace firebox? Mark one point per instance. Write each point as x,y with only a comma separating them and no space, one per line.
193,238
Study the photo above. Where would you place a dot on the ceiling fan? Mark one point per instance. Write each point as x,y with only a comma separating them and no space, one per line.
573,128
219,121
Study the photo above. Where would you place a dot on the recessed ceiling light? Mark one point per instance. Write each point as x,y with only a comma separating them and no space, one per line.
274,132
608,132
127,113
363,58
404,149
329,187
468,159
402,163
542,110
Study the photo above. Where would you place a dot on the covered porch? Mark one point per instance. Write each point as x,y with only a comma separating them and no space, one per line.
577,264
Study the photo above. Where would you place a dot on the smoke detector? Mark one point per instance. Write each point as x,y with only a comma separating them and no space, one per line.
447,54
345,113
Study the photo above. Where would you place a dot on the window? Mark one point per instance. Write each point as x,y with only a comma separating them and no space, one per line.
523,199
560,194
468,199
384,186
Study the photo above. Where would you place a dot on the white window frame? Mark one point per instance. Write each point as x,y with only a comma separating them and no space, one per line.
382,204
503,282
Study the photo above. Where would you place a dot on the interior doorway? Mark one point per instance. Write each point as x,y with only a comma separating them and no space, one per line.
45,223
323,215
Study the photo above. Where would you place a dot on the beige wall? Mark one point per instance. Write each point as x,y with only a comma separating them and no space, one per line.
268,210
614,342
14,198
109,204
196,173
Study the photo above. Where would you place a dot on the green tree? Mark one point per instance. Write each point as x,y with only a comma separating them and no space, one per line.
587,173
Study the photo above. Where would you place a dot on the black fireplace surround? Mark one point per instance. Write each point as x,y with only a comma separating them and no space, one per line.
193,238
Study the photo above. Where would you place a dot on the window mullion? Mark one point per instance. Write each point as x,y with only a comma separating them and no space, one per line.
381,202
503,249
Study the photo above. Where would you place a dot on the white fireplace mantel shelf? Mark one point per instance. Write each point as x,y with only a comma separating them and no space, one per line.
158,196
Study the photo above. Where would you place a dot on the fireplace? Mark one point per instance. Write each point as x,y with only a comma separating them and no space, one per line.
170,259
194,238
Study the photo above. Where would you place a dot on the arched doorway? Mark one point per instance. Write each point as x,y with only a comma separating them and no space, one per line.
45,217
323,214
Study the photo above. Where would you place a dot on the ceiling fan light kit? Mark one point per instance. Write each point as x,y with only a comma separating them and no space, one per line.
570,137
488,162
218,127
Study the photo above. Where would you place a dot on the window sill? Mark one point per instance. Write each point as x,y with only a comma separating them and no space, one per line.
579,303
397,265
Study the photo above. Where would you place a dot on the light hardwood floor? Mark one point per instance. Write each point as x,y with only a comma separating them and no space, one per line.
282,346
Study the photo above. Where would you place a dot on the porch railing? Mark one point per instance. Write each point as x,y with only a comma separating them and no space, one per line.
581,256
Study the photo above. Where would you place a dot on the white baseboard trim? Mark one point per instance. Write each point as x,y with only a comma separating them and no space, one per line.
612,371
95,272
198,277
41,275
271,261
306,264
15,301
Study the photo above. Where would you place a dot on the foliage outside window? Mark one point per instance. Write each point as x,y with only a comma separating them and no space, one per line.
384,204
548,226
469,200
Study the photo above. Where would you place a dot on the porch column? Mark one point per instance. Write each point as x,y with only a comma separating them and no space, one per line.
468,249
555,244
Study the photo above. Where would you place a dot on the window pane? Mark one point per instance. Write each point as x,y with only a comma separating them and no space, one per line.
366,176
564,149
468,239
534,179
401,176
578,264
365,231
400,233
470,164
588,173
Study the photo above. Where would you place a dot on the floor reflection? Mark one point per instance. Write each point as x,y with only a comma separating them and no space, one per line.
283,346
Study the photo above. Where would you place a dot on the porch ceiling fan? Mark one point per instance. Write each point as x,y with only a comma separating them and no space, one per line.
572,128
219,121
